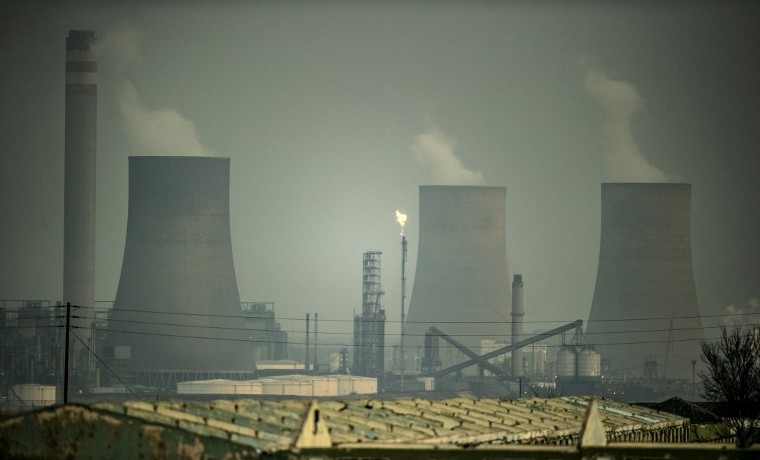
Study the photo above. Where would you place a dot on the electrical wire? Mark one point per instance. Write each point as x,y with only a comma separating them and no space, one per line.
387,321
288,342
387,334
104,364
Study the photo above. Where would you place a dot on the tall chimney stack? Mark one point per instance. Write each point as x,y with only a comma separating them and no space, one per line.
517,324
79,178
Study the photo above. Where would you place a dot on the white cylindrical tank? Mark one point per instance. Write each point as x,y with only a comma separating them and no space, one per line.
589,363
31,395
567,361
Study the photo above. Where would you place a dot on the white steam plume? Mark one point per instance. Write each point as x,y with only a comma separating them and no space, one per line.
401,219
149,131
621,102
435,151
747,314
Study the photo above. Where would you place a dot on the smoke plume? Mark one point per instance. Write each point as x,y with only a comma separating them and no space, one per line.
435,152
150,131
621,102
743,315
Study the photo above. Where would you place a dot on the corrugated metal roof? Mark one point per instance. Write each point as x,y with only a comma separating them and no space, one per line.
254,426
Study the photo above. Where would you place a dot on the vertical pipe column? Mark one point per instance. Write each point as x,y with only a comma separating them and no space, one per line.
402,356
79,179
306,358
517,324
316,338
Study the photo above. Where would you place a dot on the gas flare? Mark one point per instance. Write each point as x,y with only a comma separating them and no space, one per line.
401,219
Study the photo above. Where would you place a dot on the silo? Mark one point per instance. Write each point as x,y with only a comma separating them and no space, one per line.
589,363
461,283
79,184
645,300
567,362
177,304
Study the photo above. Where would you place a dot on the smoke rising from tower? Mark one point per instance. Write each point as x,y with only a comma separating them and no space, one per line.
435,152
620,101
162,131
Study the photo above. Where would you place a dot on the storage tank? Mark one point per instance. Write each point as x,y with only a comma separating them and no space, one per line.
27,396
589,363
177,305
645,299
461,283
567,362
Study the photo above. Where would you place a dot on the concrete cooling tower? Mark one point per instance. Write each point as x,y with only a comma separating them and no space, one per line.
645,318
177,305
461,284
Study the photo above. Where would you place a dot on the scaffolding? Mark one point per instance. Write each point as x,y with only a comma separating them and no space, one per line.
369,327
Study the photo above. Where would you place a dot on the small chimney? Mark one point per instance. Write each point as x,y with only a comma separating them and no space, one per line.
517,324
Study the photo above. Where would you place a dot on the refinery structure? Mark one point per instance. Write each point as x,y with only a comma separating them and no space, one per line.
178,323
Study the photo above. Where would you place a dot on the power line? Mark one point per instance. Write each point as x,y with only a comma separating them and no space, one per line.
212,315
230,339
203,326
104,364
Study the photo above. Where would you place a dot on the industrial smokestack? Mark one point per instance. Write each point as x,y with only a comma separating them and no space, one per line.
177,304
461,282
79,180
517,324
306,355
645,302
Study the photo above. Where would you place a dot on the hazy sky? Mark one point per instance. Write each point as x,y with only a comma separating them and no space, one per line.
333,113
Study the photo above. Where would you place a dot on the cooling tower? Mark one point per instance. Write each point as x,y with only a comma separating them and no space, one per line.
645,302
178,305
79,177
461,284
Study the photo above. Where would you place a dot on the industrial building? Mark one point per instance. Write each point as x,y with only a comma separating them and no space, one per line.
369,327
313,386
461,284
645,318
31,351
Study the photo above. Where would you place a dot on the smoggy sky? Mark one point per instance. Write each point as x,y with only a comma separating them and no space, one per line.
333,113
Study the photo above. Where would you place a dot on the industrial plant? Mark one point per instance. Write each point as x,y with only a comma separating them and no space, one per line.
369,327
177,324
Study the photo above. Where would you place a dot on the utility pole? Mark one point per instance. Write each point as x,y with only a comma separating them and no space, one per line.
316,344
66,357
306,357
